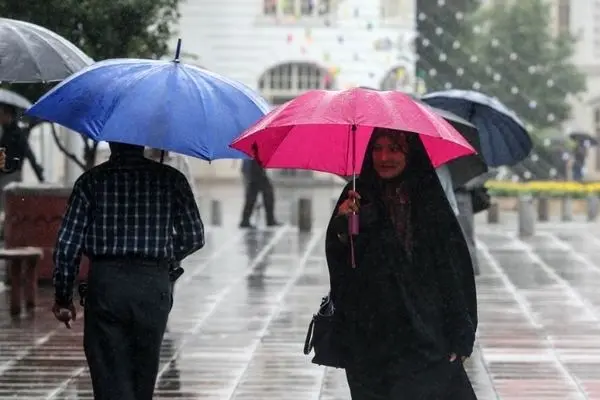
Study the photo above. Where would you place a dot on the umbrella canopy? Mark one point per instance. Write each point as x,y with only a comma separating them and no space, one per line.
584,137
328,131
160,104
14,99
504,138
31,54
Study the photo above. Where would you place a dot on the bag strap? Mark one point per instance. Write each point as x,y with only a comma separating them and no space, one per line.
308,344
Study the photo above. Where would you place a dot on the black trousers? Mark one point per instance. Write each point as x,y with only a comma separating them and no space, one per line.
253,188
126,312
441,381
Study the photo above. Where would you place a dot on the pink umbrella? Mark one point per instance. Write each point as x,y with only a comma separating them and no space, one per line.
328,131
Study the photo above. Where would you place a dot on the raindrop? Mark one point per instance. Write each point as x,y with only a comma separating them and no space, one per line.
551,117
425,42
476,29
441,3
550,82
531,69
495,42
432,72
447,85
532,104
443,57
439,30
459,15
422,16
456,44
553,172
527,175
514,90
497,77
547,142
534,157
513,56
460,72
565,156
476,86
473,59
515,178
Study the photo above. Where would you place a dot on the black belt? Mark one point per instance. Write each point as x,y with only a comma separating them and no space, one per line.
135,260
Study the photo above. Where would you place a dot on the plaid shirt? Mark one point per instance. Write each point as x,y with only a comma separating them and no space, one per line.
130,207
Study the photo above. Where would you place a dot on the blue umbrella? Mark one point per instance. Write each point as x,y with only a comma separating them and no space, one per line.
503,137
160,104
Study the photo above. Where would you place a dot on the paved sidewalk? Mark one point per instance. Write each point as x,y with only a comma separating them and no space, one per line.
243,306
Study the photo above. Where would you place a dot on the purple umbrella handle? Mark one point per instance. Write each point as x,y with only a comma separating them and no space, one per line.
353,224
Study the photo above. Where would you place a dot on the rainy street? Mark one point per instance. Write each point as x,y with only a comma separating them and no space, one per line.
243,306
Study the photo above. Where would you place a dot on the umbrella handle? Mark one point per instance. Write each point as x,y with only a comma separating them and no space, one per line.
353,224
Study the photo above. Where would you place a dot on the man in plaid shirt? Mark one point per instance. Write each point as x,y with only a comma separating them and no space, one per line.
133,218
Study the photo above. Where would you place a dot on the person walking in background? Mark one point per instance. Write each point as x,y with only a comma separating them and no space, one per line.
472,198
17,149
132,217
445,177
257,181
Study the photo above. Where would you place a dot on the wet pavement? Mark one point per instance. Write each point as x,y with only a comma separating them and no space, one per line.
242,309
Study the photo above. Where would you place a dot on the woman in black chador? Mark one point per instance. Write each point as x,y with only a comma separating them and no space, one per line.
407,308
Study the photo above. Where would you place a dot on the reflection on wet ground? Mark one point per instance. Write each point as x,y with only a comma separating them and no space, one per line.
243,305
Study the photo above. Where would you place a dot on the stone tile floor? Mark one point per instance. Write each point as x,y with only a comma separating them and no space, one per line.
243,305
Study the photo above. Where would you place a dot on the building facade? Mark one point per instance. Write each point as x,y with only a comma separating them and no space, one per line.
582,19
285,47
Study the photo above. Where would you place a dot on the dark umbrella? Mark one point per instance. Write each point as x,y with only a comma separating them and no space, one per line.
584,137
32,54
504,138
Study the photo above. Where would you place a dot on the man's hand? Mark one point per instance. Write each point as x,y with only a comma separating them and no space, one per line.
453,358
65,314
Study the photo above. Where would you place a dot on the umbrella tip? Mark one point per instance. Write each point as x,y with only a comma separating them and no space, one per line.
178,50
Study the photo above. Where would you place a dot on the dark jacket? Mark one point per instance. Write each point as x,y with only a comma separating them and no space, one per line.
398,311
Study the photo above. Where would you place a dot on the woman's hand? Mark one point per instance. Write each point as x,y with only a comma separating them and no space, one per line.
453,358
350,205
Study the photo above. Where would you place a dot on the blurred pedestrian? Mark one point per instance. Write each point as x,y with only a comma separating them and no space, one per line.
445,177
132,217
256,181
406,310
17,149
579,156
472,198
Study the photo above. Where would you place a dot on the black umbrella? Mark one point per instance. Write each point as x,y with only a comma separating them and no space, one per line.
584,137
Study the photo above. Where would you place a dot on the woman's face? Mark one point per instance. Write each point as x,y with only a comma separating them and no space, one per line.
389,155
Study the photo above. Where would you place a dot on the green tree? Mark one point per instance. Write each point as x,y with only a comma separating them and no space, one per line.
442,27
103,29
523,63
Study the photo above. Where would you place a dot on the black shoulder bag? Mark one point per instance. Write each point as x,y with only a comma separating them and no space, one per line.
323,336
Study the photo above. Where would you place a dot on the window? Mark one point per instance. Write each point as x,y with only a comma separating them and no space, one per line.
391,9
298,8
285,82
564,15
398,79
